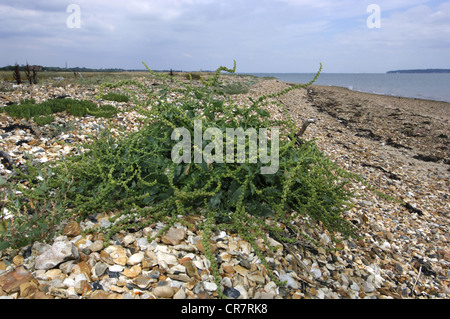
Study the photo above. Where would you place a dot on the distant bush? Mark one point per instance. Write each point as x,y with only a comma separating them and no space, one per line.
116,97
193,76
235,88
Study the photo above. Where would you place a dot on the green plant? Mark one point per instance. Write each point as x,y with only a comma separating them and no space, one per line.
136,176
44,119
116,97
27,109
235,88
193,76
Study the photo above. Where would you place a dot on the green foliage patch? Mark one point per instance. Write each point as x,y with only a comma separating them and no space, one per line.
136,177
116,97
235,88
29,109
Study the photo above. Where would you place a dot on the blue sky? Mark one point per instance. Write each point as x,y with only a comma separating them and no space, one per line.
261,35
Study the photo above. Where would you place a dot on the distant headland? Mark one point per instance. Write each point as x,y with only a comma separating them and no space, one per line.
421,71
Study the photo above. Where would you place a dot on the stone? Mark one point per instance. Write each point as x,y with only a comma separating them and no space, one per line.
264,295
355,287
191,269
142,243
60,252
290,282
129,239
122,261
18,260
135,259
97,245
100,294
28,289
163,292
232,293
317,273
180,294
143,282
173,236
42,295
169,259
82,268
369,287
133,272
99,269
242,291
66,267
210,286
72,229
241,270
115,268
228,269
245,263
53,273
258,278
116,251
202,249
226,282
186,248
11,281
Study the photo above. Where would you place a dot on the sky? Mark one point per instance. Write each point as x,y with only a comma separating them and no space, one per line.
264,36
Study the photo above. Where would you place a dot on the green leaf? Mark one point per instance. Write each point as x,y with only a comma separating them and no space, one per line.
4,245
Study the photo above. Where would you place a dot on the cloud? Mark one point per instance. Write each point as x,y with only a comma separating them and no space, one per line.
269,35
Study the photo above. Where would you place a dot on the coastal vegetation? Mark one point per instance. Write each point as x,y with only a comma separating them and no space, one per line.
41,112
135,177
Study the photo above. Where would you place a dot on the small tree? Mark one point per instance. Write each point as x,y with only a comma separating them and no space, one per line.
16,74
31,74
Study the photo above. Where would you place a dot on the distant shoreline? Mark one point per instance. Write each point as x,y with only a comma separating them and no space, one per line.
379,94
421,71
419,86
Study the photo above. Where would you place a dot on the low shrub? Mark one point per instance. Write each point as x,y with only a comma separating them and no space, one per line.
44,119
235,88
27,109
116,97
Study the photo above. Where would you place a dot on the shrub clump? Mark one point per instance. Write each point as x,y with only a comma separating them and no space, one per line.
116,97
235,88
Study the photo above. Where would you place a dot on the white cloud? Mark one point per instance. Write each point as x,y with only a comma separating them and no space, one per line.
262,35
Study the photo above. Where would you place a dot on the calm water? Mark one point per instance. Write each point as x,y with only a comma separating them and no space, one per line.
423,86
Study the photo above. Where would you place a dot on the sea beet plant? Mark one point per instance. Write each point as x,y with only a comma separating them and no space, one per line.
136,176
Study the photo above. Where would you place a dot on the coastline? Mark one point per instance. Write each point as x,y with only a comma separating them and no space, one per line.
421,126
402,252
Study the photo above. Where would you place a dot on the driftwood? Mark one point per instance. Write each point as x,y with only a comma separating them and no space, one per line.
304,126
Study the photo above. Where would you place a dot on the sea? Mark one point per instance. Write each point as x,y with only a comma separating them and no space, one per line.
428,86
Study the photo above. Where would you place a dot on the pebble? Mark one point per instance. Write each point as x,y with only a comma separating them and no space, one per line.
163,292
59,252
232,293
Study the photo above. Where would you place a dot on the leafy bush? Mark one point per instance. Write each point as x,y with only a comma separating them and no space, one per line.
136,176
